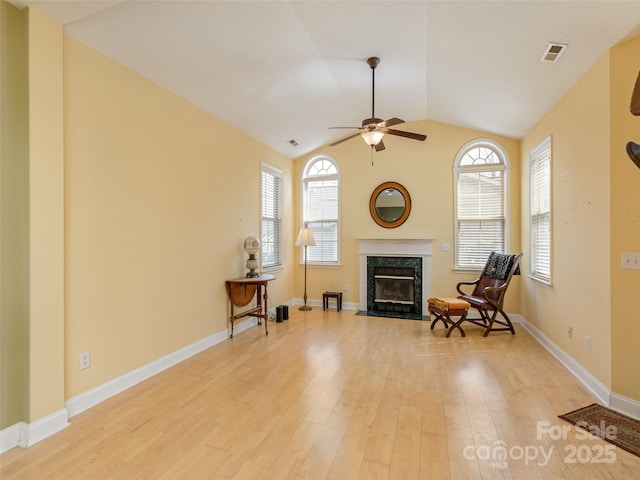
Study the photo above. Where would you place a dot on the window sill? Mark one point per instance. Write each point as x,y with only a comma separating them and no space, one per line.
545,283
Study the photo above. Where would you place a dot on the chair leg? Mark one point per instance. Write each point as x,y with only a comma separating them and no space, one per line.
483,321
490,325
507,323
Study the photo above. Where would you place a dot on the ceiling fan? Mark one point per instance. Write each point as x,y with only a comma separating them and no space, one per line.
374,129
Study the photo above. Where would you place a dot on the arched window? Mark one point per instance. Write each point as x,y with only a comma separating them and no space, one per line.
480,183
321,208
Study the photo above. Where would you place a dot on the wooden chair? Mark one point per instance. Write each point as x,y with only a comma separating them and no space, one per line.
489,291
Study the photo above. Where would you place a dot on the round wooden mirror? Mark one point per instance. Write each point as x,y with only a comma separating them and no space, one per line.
390,205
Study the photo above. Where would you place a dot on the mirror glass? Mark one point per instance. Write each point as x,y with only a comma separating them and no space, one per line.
390,204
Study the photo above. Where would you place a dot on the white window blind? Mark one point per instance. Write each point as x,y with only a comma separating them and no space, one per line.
271,248
321,209
480,222
540,211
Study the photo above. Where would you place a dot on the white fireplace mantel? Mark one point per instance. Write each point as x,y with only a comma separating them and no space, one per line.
394,247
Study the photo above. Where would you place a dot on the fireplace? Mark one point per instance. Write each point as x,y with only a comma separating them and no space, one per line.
394,277
394,285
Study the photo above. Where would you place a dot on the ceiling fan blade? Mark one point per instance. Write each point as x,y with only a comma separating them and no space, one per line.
400,133
380,146
635,98
348,137
390,122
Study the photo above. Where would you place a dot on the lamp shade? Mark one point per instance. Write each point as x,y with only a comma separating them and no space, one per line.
305,238
372,137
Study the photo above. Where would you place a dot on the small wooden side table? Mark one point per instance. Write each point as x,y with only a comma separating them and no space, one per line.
241,292
327,295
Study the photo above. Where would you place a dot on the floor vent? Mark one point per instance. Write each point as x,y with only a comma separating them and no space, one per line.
553,52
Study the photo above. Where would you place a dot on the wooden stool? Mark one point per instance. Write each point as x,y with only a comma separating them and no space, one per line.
327,295
445,308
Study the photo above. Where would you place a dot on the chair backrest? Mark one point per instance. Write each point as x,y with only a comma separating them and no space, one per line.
497,272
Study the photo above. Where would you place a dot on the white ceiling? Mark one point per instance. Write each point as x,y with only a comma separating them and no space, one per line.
278,70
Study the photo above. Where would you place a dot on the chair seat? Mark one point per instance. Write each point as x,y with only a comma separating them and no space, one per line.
474,300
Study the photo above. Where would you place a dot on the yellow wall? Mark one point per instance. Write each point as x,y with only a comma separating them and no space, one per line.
580,294
46,217
625,222
14,208
33,279
159,198
425,169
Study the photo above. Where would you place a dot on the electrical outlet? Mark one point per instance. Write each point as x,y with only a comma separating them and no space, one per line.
346,287
85,360
570,332
631,261
446,247
587,343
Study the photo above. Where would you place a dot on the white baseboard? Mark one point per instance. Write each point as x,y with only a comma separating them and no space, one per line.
588,380
318,303
24,434
10,437
613,400
625,405
90,398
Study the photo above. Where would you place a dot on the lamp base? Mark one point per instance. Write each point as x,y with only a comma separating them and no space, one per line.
305,308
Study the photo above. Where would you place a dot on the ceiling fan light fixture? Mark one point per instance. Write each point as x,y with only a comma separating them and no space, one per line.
372,137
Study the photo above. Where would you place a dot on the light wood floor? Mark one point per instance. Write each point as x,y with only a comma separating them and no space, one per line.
332,395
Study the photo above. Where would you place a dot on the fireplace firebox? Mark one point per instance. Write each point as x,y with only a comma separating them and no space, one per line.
394,286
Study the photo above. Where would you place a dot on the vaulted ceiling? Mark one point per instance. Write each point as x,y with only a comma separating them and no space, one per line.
280,70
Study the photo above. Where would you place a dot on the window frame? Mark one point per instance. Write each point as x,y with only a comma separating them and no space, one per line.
458,169
538,154
278,174
306,179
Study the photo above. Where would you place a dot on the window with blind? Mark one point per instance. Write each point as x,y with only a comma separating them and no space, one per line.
271,247
540,211
480,181
321,207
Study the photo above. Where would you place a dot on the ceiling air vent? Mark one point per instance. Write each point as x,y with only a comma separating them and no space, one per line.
294,142
553,52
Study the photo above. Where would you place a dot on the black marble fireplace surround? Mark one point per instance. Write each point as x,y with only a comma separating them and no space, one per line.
394,287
